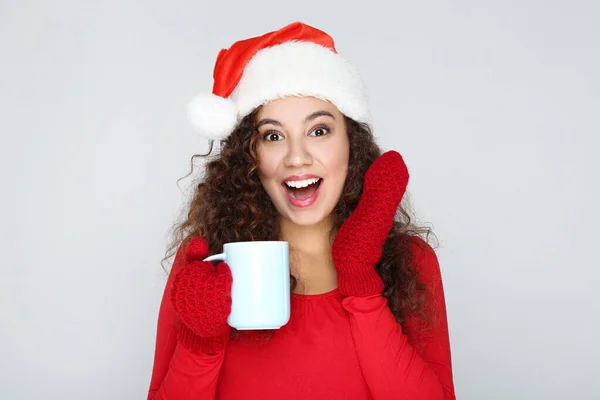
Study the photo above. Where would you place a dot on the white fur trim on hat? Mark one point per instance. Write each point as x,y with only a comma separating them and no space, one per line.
301,69
288,69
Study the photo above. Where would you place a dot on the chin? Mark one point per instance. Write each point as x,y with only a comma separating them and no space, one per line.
308,219
308,216
315,214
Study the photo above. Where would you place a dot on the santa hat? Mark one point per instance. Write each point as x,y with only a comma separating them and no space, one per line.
297,60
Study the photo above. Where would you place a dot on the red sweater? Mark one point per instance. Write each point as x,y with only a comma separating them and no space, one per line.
332,348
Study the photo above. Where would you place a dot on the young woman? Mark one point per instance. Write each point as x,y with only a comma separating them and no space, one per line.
299,163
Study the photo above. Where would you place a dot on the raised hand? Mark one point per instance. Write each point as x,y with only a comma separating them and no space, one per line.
359,243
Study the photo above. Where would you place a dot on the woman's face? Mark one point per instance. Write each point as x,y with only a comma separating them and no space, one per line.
303,153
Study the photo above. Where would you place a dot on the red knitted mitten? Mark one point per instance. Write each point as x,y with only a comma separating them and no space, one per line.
201,296
359,243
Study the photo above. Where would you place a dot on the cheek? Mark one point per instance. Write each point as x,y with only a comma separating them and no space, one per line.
337,159
267,165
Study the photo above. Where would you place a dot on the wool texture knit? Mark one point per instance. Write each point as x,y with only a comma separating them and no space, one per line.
201,296
344,344
359,242
332,348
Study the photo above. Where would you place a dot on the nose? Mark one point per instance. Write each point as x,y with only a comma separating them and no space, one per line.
298,154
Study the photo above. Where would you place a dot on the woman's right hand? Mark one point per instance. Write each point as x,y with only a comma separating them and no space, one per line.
201,297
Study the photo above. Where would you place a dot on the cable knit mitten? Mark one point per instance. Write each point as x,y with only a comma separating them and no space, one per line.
359,243
201,296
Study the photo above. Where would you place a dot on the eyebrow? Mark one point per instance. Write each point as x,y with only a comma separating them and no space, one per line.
311,117
317,114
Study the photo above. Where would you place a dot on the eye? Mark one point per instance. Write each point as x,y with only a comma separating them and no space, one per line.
272,136
321,130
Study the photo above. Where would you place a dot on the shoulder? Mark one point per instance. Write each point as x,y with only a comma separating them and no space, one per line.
424,260
425,263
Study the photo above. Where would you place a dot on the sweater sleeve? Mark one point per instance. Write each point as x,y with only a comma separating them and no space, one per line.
395,365
179,373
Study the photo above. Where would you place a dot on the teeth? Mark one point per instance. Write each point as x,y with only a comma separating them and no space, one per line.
303,183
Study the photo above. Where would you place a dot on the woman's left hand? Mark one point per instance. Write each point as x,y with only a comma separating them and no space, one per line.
359,242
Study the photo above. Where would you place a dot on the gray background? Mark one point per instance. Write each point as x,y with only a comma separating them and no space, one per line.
494,106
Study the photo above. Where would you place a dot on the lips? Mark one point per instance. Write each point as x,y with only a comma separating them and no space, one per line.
302,190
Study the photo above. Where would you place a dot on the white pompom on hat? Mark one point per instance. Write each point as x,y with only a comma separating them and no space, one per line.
297,60
214,116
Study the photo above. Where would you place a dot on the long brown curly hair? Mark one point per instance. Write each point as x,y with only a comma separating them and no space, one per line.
229,204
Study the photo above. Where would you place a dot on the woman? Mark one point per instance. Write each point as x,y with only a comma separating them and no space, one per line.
298,163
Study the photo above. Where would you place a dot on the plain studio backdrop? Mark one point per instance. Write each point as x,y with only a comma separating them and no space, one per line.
494,104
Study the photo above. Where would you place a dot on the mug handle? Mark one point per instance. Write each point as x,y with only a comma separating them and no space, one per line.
216,257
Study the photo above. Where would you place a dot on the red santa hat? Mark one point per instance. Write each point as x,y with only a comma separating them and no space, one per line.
297,60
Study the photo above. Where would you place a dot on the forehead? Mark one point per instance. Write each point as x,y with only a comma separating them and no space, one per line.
294,108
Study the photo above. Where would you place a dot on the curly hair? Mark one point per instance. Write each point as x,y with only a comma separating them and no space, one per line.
230,205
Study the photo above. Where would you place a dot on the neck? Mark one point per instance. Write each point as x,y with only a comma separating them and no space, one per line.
307,239
310,256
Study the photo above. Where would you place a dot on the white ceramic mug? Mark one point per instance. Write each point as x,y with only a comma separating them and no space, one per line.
260,294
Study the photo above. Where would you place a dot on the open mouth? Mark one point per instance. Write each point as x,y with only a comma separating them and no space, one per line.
304,189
